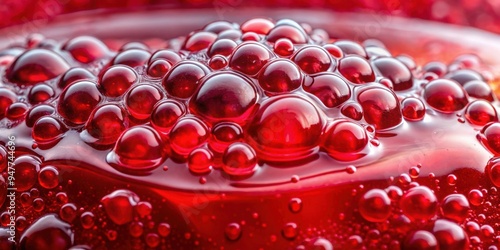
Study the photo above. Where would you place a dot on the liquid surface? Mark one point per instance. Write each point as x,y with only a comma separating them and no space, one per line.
268,135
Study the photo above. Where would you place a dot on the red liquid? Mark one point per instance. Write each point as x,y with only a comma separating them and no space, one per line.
245,157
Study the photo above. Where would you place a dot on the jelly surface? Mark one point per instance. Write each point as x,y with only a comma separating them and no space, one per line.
269,134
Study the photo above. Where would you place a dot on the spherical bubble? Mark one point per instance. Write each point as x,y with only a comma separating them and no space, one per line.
40,93
445,95
7,97
132,58
279,76
455,207
422,240
48,130
233,231
312,59
463,76
375,205
329,88
396,71
345,140
493,171
77,101
68,212
187,134
283,47
351,48
224,134
479,90
413,109
16,111
166,113
295,205
199,40
239,159
87,220
183,79
480,112
48,177
139,148
86,49
419,203
225,96
141,100
47,233
26,175
221,47
289,29
490,137
116,80
380,107
249,58
450,235
356,69
258,25
286,127
200,161
119,206
290,231
36,65
352,110
105,124
158,68
73,75
168,55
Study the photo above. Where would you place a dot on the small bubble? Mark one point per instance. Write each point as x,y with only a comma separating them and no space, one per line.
119,206
112,235
421,240
295,205
164,229
233,231
61,198
290,231
472,227
354,241
404,179
475,197
455,207
152,240
394,192
295,178
38,204
419,203
375,205
48,177
68,212
493,171
487,231
87,220
21,223
136,229
451,179
351,169
414,172
202,180
143,208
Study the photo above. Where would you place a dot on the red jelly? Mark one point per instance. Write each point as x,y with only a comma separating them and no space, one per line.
152,130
